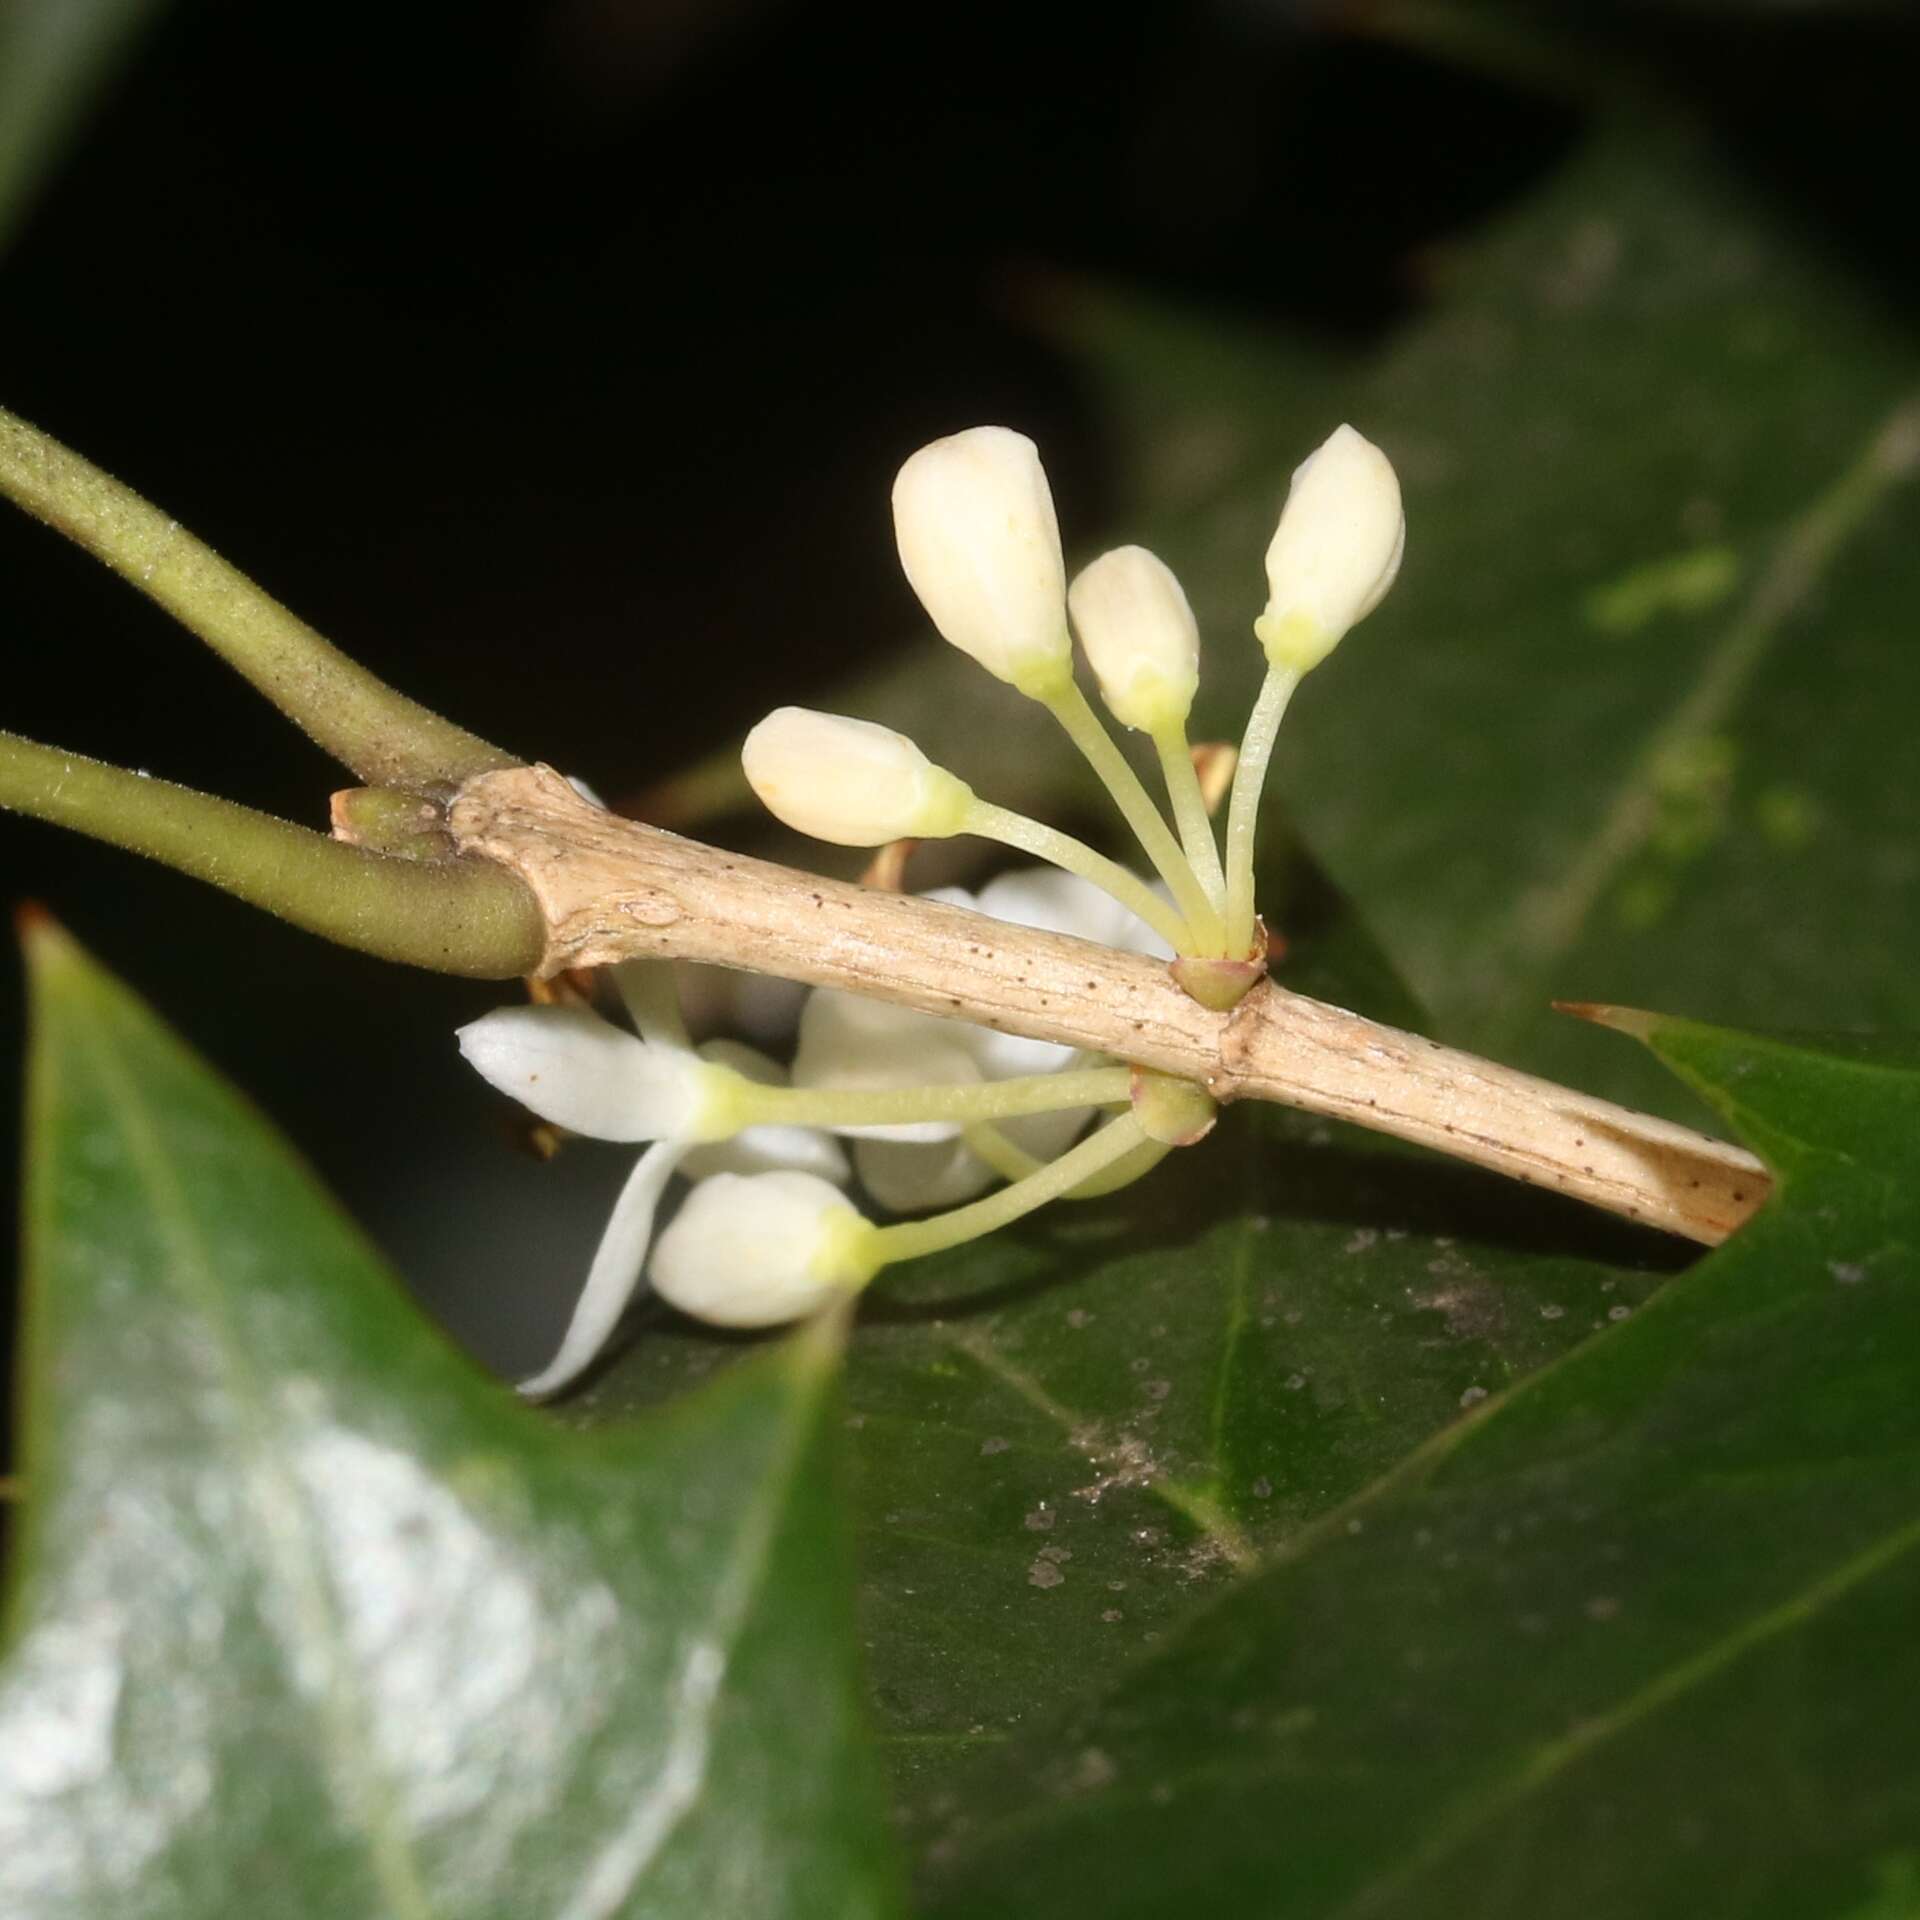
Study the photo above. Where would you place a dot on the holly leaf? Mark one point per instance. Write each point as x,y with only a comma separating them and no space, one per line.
1073,1437
1634,723
307,1617
1634,1638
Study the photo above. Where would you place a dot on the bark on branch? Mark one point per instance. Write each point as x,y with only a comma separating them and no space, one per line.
612,889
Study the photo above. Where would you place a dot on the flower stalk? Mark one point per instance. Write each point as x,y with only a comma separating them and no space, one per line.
468,917
1069,707
985,1100
914,1239
1191,817
387,739
1026,835
1243,807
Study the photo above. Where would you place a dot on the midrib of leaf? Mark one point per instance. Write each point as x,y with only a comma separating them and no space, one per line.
611,1877
282,1511
1547,921
1198,1505
1456,1829
1556,1756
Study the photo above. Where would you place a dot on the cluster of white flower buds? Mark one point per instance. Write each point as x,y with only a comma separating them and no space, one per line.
939,1110
980,545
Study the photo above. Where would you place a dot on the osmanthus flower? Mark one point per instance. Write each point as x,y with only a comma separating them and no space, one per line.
585,1074
720,1112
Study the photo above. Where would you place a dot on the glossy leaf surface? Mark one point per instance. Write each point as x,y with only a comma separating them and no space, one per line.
1633,1638
309,1618
1635,722
1072,1438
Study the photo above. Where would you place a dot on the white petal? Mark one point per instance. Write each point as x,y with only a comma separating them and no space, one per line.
1047,1135
773,1150
758,1250
1055,902
614,1277
651,995
765,1149
850,1043
906,1178
583,1073
756,1006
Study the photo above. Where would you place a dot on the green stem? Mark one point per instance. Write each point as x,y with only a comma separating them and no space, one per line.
1063,850
1132,1165
465,917
387,739
1069,706
1012,1161
1000,1151
1243,810
1190,810
899,1106
913,1238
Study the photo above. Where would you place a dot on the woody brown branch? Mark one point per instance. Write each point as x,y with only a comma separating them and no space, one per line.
612,889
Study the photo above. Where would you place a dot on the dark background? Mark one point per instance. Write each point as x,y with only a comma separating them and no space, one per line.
555,359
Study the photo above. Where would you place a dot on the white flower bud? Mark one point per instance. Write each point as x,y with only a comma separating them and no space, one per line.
849,781
1335,552
759,1249
974,521
1140,637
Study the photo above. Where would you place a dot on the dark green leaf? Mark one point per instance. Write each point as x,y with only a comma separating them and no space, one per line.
310,1619
1635,722
1072,1437
1635,1639
54,57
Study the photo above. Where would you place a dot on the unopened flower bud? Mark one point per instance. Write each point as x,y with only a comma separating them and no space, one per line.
1140,637
850,781
759,1249
1335,552
974,520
